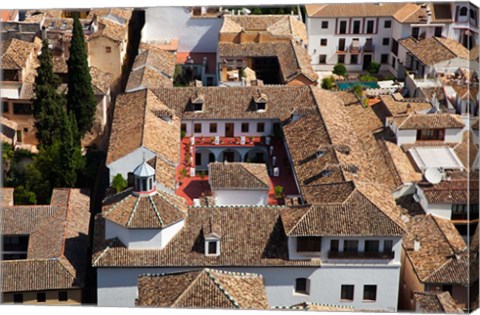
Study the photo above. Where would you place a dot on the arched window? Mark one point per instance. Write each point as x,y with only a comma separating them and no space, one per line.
463,11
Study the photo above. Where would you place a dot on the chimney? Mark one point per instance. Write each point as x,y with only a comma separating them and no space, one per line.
416,245
429,16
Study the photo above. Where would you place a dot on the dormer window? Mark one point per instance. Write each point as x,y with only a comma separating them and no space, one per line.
198,107
260,100
212,246
320,153
261,106
197,102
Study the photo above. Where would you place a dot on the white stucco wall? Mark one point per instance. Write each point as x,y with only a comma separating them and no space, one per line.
240,197
129,162
441,210
237,128
194,34
143,238
117,287
406,136
454,135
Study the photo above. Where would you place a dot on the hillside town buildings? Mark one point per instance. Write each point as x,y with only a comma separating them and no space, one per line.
249,182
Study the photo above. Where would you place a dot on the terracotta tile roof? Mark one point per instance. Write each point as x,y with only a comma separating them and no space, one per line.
107,28
433,50
398,10
328,193
57,247
426,121
250,236
15,54
369,210
206,288
398,106
145,212
59,64
161,60
436,302
293,59
475,241
251,176
280,25
474,52
147,78
236,102
101,80
122,15
439,245
138,122
401,165
466,91
451,191
467,151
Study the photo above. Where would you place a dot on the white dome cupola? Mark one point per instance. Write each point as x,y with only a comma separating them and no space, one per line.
144,178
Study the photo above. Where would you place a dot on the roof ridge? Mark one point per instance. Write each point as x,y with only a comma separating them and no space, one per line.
301,218
116,204
443,234
189,287
446,47
155,209
256,177
62,261
62,251
133,212
221,288
104,251
145,113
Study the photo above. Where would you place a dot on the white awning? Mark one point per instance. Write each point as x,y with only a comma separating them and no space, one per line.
436,157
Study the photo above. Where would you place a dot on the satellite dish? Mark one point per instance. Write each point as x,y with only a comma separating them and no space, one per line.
433,175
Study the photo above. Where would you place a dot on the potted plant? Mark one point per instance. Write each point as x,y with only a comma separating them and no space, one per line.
251,139
212,139
278,191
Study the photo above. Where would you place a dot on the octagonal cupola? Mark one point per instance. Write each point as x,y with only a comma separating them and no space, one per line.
144,178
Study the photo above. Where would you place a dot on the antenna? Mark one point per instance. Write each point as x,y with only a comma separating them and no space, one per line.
433,175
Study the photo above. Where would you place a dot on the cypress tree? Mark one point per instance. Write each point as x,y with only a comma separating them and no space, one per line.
80,97
48,103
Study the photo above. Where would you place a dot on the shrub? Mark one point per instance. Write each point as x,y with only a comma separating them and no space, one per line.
183,134
23,196
390,77
357,89
327,83
278,192
374,67
119,183
339,69
368,78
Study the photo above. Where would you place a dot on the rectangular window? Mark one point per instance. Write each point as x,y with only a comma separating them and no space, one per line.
431,134
260,127
301,285
370,292
341,58
324,24
18,298
22,109
372,246
334,245
4,107
197,128
108,49
323,42
394,47
387,24
353,59
350,246
63,296
198,159
347,292
41,297
384,58
415,32
438,31
343,27
245,127
212,248
394,62
356,27
387,246
370,27
341,44
183,128
322,59
386,41
309,244
213,127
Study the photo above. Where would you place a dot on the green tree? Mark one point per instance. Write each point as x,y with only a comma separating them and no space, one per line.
119,183
339,69
374,67
358,90
80,97
327,83
48,103
24,196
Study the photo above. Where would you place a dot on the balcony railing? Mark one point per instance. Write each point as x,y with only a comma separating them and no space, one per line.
342,49
361,255
368,47
355,48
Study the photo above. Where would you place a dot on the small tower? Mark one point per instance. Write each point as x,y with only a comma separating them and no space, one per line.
144,178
